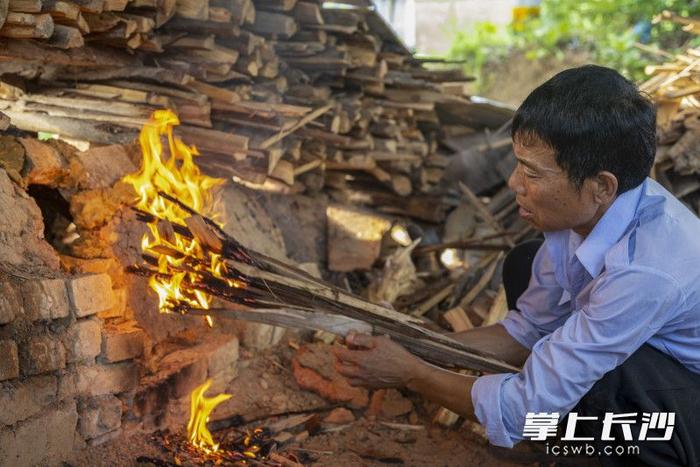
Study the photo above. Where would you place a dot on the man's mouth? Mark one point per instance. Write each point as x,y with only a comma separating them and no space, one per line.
525,213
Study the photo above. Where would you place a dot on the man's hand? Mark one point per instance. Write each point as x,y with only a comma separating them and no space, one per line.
376,362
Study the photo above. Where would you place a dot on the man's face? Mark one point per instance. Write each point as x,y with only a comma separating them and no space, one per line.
548,200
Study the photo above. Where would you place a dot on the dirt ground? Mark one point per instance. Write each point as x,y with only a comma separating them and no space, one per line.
265,385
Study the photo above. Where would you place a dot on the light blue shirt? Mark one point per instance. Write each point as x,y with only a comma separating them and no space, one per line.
592,302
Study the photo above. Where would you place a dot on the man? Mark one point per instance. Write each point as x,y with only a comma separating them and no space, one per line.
610,320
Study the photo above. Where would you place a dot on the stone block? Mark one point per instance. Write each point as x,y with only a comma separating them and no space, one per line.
10,303
122,342
46,439
99,380
9,360
119,308
99,415
83,340
45,299
22,400
90,294
42,354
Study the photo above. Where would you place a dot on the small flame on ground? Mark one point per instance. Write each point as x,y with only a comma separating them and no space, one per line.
200,408
171,169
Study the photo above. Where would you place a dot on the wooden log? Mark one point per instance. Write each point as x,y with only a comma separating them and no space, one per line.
4,121
308,13
335,324
275,5
202,27
276,24
203,234
27,26
192,9
123,94
284,171
213,141
249,65
242,11
97,132
66,13
93,6
215,93
295,126
65,37
458,319
484,212
4,6
23,6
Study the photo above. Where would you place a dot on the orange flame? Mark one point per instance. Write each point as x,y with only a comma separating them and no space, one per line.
178,176
200,409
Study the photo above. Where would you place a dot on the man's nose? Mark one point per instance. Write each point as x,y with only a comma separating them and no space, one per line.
514,181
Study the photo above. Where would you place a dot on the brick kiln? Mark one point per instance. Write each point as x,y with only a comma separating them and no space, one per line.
86,356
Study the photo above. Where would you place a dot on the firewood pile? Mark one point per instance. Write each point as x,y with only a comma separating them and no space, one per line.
294,92
675,86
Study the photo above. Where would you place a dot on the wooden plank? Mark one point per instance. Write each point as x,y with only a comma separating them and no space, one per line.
299,124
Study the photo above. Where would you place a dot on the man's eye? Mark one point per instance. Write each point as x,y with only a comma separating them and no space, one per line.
529,173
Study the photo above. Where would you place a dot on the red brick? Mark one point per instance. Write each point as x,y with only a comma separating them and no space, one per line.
122,342
99,380
99,415
313,369
90,294
42,354
10,303
23,399
9,362
340,416
83,340
119,308
46,439
45,299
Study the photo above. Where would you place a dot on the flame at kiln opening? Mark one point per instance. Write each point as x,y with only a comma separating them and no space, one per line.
200,409
171,169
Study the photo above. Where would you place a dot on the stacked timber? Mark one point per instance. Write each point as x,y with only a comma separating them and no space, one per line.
675,86
298,94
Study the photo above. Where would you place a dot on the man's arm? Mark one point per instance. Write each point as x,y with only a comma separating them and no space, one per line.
378,362
496,341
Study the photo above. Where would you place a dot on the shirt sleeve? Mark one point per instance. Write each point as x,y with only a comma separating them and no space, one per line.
541,308
626,308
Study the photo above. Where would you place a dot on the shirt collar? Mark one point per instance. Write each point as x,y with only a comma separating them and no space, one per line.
609,230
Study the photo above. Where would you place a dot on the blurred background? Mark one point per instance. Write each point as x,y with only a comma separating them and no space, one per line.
510,46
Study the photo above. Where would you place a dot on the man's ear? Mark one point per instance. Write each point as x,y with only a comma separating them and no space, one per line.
604,187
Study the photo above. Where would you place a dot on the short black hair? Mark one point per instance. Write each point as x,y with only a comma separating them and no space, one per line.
595,120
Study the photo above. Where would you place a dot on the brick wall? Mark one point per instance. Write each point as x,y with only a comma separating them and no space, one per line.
74,369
